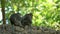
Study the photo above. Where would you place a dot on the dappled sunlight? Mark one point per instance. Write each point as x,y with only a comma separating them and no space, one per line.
0,15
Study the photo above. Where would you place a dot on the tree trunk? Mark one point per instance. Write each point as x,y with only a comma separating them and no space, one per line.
3,10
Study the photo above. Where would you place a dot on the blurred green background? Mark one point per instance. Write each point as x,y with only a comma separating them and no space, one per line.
45,12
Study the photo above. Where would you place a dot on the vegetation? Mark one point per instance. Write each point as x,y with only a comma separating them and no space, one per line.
45,12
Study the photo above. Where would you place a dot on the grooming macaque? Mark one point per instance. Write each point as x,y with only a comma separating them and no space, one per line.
27,20
15,19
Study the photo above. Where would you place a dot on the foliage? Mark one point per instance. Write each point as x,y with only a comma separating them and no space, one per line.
45,12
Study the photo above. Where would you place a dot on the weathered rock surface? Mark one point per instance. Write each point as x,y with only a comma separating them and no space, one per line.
8,29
